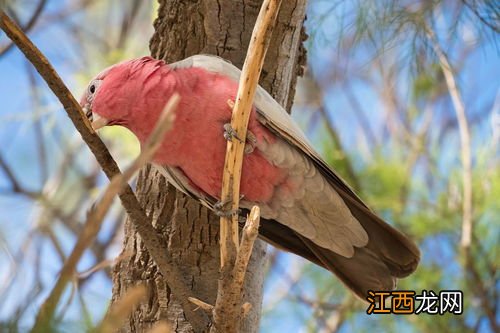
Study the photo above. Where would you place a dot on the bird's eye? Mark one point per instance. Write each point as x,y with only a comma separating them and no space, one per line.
92,88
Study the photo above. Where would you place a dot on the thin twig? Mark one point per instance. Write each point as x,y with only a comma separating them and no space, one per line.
38,126
249,235
226,316
337,317
491,25
232,293
465,141
200,304
28,26
141,222
14,182
127,23
360,113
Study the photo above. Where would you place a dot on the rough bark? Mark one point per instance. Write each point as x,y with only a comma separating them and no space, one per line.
184,28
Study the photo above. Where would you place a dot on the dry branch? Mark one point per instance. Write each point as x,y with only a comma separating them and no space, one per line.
465,141
201,304
250,233
227,311
466,157
229,296
141,222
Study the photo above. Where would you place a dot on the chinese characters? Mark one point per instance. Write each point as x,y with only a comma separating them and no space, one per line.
408,302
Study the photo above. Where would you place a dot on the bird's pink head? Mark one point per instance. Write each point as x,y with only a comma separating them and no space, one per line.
114,96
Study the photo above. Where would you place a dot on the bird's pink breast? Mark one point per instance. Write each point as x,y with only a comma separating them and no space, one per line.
197,145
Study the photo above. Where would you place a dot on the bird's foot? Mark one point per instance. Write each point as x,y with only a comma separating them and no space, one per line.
222,209
230,133
251,140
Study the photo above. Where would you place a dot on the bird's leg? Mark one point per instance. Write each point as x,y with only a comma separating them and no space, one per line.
230,133
251,140
221,208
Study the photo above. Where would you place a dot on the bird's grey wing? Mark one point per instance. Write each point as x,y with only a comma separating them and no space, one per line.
180,181
311,206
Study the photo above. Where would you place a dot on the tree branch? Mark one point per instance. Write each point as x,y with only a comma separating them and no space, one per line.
250,233
226,314
465,143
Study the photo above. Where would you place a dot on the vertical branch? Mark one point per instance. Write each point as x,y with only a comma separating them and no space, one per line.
249,235
465,143
226,316
249,80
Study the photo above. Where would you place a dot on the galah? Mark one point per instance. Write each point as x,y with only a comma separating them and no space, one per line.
307,209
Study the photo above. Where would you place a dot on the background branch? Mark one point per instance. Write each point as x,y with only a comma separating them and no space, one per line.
28,26
465,143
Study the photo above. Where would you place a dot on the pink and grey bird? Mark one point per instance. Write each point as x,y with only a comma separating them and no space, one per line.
307,208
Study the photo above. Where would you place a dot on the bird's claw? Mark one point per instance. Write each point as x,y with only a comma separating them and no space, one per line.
251,140
230,133
227,213
221,209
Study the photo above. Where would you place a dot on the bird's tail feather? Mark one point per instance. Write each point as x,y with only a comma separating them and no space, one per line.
399,254
388,255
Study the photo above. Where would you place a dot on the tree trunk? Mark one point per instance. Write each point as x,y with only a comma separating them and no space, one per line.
191,232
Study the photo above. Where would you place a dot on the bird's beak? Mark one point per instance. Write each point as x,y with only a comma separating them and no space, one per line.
99,122
96,120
